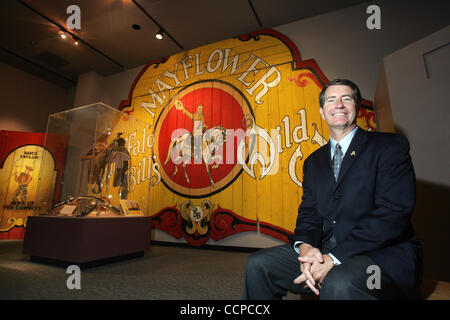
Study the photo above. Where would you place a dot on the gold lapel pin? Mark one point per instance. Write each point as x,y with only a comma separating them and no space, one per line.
353,153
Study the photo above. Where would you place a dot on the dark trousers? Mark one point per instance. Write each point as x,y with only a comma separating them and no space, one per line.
270,273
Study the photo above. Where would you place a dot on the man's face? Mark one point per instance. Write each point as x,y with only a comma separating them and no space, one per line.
339,109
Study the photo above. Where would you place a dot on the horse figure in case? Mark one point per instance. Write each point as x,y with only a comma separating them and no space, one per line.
102,156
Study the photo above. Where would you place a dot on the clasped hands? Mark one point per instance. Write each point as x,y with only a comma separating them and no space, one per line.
314,267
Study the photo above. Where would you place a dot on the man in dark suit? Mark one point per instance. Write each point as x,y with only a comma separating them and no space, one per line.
353,238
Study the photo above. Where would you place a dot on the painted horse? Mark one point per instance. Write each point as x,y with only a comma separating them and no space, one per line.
204,147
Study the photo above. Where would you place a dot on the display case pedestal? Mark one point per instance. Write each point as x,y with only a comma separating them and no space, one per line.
85,241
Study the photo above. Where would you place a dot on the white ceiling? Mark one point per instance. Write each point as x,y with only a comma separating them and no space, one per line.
29,37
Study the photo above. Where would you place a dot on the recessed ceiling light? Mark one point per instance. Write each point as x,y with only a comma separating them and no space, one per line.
136,27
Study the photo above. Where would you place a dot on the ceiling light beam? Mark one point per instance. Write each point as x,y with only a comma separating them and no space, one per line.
68,32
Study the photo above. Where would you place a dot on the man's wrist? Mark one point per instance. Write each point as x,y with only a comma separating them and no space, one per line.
334,260
328,261
303,246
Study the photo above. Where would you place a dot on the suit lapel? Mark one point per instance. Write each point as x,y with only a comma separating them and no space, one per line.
325,162
354,150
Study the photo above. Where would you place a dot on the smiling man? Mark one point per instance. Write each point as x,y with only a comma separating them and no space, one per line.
358,198
339,109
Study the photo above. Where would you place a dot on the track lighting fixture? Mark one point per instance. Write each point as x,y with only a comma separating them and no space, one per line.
64,35
75,40
159,34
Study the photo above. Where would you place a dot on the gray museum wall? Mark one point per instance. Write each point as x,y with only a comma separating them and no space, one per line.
26,100
418,81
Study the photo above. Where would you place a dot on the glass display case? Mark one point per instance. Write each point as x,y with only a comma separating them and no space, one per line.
107,155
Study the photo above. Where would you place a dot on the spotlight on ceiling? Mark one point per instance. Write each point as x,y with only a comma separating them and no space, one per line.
159,34
62,35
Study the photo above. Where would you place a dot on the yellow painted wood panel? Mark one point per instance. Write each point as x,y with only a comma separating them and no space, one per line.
258,85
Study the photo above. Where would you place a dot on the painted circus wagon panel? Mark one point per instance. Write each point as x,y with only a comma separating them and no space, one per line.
29,171
231,124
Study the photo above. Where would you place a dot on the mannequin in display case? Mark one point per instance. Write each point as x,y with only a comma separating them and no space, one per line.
122,160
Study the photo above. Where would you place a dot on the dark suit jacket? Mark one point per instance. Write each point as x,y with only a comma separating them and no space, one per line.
368,209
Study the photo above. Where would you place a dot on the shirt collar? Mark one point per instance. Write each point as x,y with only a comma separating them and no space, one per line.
344,143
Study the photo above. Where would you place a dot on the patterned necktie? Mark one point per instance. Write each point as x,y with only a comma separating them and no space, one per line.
337,160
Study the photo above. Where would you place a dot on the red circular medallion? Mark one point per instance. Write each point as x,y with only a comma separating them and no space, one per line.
197,134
